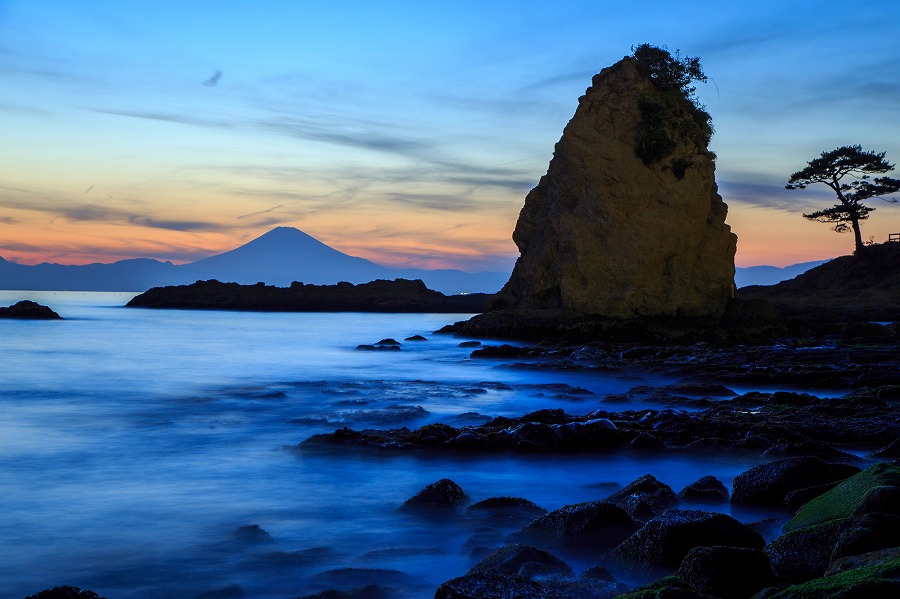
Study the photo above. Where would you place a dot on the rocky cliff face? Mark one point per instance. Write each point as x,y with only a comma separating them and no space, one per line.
603,233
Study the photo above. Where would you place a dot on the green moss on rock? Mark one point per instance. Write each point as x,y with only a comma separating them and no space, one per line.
871,582
843,500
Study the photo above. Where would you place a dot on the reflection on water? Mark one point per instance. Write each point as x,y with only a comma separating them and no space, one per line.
136,443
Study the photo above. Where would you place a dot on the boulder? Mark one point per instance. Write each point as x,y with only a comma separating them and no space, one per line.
607,234
644,498
442,495
663,542
805,553
586,529
493,584
866,533
708,489
669,587
846,498
861,561
507,509
523,560
876,581
726,572
769,484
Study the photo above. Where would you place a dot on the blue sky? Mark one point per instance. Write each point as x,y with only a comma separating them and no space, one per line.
404,132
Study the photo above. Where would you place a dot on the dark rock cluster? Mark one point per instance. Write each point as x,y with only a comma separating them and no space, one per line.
29,310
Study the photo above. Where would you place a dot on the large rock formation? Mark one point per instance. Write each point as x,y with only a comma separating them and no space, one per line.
605,234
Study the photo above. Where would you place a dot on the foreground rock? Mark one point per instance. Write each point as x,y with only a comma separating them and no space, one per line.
726,572
439,496
661,544
615,232
858,494
769,484
583,529
29,310
399,295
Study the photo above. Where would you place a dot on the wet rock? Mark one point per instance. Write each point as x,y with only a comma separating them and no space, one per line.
708,489
701,389
441,495
644,498
470,344
523,560
388,341
416,338
367,592
882,500
869,532
726,572
586,529
510,510
251,534
645,440
65,592
365,347
805,553
861,561
599,573
846,498
501,351
769,484
796,499
890,451
664,541
29,310
493,584
232,591
876,581
669,587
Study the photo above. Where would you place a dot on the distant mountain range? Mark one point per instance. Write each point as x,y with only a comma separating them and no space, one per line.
770,275
280,257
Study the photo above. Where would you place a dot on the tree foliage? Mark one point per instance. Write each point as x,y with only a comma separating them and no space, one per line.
848,171
671,114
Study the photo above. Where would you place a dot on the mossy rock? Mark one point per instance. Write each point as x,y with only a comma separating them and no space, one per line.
870,582
843,500
670,587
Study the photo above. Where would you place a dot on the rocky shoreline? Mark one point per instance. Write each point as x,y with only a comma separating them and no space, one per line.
830,470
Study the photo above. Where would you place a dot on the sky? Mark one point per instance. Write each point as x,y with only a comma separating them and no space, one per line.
407,133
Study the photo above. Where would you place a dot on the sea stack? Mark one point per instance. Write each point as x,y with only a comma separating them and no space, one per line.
627,222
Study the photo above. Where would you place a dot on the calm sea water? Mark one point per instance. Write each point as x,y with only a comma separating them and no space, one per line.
133,443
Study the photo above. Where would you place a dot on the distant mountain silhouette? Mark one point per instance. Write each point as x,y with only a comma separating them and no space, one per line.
770,275
279,257
284,255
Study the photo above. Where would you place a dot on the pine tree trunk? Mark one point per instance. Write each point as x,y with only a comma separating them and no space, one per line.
857,235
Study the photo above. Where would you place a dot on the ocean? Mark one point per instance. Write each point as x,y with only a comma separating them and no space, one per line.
135,445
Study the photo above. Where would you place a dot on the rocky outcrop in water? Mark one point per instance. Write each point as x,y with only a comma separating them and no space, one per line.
399,295
604,233
29,310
